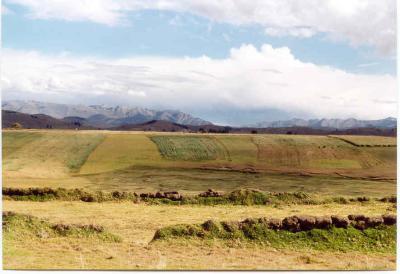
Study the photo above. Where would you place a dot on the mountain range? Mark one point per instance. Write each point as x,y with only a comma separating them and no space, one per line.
100,116
13,119
389,122
10,119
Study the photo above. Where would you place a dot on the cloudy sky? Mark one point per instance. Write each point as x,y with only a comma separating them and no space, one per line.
228,61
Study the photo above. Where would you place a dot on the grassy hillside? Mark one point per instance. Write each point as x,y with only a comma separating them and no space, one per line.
195,162
121,151
190,148
240,148
47,155
193,181
115,233
13,141
318,152
379,141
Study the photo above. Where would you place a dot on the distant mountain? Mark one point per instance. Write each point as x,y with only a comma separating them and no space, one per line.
154,125
102,116
38,121
42,121
99,116
164,126
332,123
158,125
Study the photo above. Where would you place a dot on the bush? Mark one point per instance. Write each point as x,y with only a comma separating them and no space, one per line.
178,231
46,194
248,197
380,238
236,197
340,200
22,225
16,126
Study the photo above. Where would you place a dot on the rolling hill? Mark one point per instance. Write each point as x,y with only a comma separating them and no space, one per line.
39,121
164,126
149,161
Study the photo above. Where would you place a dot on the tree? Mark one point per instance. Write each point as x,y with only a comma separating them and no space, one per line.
16,126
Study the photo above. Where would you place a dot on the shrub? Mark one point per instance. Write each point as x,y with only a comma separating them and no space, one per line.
21,225
16,126
340,200
377,238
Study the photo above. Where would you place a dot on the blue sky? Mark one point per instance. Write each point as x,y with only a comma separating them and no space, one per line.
167,33
184,32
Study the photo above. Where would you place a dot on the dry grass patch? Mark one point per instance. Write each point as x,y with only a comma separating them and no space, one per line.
15,140
368,140
306,151
81,254
136,224
53,155
119,151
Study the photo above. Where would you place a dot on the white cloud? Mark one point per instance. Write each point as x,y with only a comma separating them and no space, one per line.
296,32
138,93
250,79
360,22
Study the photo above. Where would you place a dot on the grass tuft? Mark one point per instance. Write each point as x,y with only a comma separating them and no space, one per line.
48,194
18,226
378,239
237,197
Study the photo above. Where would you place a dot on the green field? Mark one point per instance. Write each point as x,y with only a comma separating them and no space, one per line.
190,148
193,162
143,162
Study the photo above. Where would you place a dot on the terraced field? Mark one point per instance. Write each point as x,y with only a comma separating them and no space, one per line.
120,151
241,148
193,181
13,141
347,178
318,152
371,141
49,155
190,148
154,161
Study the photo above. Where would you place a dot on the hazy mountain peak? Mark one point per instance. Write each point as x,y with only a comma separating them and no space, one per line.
348,123
102,115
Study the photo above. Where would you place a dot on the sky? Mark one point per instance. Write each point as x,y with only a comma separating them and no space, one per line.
230,62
